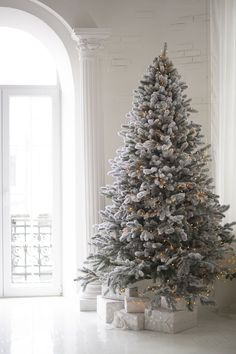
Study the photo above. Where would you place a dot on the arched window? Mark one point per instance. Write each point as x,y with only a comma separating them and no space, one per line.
30,160
24,60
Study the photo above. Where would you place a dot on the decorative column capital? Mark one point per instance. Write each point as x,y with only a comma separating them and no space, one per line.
89,40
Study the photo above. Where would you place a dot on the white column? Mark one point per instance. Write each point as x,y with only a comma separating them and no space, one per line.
89,43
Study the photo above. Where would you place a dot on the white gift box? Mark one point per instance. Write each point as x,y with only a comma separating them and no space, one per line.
107,307
168,321
124,320
136,304
179,305
131,292
111,294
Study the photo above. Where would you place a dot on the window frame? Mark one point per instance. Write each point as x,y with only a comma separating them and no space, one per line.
6,287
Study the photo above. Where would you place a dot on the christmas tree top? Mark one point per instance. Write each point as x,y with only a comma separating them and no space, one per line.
164,222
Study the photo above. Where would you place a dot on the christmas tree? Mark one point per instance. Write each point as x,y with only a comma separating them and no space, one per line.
165,222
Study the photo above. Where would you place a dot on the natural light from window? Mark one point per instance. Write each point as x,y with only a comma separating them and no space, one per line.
29,118
24,60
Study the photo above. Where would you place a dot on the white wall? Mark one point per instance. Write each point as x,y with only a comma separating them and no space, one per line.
139,29
138,35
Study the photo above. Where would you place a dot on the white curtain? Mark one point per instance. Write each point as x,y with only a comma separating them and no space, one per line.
223,96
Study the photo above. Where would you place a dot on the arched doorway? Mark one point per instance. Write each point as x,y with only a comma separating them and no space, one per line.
22,20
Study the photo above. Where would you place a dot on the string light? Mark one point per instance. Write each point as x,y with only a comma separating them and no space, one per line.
143,114
201,196
162,182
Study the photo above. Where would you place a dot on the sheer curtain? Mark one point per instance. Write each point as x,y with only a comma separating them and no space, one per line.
223,95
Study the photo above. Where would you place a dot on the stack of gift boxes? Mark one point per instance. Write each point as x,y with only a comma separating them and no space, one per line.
130,311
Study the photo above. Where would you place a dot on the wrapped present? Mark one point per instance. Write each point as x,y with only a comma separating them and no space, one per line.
124,320
163,320
107,307
136,304
131,292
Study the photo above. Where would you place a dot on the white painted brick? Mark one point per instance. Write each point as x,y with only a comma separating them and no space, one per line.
201,18
144,14
184,46
115,50
185,60
123,99
113,39
205,100
120,62
201,107
192,53
178,26
124,320
131,39
176,54
186,19
197,67
116,70
197,100
200,59
204,51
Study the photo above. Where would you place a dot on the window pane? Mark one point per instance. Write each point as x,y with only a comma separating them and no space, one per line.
24,60
30,130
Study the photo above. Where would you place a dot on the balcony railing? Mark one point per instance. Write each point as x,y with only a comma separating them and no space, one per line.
31,248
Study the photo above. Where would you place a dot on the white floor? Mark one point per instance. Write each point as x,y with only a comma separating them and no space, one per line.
55,326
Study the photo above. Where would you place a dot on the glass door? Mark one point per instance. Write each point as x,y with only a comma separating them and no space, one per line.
31,191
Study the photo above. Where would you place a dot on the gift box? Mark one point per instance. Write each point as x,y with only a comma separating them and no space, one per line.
132,321
136,304
131,292
163,320
107,307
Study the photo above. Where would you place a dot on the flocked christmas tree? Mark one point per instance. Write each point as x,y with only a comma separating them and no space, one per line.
165,222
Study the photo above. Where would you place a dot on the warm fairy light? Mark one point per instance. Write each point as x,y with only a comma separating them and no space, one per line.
201,196
162,182
143,114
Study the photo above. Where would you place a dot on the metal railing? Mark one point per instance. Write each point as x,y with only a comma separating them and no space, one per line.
31,248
